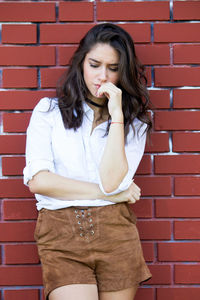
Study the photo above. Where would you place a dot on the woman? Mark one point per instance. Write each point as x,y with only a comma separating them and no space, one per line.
83,149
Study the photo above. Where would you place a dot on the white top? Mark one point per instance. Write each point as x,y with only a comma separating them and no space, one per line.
74,154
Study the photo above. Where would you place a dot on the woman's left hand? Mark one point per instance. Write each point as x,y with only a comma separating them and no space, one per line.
114,95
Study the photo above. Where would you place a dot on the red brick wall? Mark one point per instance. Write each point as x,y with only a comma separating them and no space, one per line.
38,38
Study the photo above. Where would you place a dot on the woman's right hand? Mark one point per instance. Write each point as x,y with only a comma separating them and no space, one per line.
131,195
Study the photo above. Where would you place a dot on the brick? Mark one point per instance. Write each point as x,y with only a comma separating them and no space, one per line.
10,188
187,10
132,11
161,274
16,122
187,186
148,250
21,275
140,33
65,53
19,209
144,293
186,54
187,274
159,99
22,100
12,144
30,294
177,164
178,251
70,11
63,33
21,254
180,293
153,54
19,33
27,56
159,142
19,78
186,141
176,120
154,186
17,232
143,208
43,296
178,208
178,76
27,12
176,32
186,98
145,166
13,165
154,230
50,77
187,230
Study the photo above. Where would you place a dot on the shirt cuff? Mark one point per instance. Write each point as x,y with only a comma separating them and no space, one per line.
34,167
124,185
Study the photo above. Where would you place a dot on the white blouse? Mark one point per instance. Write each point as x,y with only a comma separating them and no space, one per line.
74,154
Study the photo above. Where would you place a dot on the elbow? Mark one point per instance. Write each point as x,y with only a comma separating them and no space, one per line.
109,188
111,184
111,181
36,185
33,186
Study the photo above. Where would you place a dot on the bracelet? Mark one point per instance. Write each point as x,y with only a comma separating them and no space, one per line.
117,122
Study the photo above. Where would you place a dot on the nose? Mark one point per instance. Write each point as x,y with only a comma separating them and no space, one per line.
103,74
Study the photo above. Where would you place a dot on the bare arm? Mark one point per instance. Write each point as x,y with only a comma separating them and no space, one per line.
114,165
53,185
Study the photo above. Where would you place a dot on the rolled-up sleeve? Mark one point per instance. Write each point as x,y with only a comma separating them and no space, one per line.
39,154
134,151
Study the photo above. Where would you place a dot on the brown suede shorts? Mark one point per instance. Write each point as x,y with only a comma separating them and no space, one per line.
95,245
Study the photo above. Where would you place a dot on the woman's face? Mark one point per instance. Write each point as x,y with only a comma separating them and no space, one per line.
100,66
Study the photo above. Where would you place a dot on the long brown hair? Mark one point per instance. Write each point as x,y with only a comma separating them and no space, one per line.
132,80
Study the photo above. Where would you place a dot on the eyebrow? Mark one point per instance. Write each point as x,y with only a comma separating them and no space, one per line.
96,61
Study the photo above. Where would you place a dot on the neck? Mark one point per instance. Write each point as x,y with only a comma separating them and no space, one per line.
94,103
97,104
99,108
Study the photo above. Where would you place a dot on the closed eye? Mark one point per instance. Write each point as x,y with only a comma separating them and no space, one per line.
110,68
113,69
94,66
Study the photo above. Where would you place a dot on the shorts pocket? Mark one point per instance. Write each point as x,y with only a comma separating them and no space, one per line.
45,230
53,231
129,214
38,224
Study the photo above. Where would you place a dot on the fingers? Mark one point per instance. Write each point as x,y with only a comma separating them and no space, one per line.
131,195
135,187
135,193
108,89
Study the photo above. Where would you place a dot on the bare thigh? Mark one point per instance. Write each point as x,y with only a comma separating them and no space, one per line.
126,294
74,292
